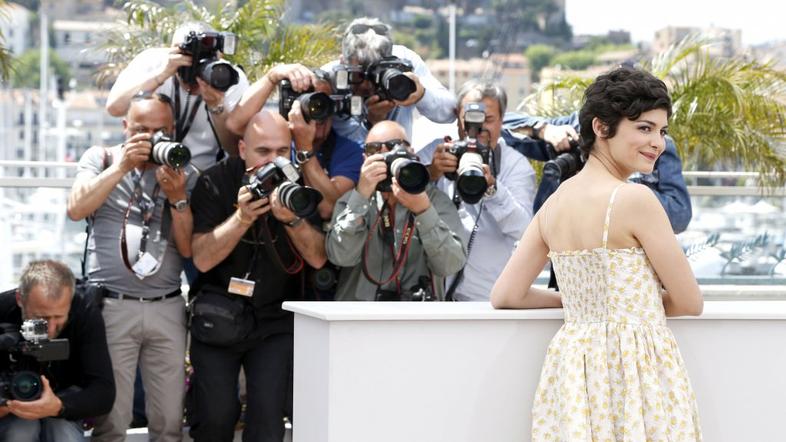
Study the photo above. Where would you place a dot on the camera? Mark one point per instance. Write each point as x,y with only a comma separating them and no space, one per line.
282,174
26,348
562,166
168,151
411,174
317,105
419,293
203,47
390,82
470,180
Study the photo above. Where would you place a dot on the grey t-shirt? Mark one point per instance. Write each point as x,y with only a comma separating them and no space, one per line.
104,260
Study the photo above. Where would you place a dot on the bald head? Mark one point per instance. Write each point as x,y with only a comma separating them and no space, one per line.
267,135
149,115
386,130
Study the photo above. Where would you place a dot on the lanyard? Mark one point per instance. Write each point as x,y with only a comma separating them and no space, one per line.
184,121
388,236
147,208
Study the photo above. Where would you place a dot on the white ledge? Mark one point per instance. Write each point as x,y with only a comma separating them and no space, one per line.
437,311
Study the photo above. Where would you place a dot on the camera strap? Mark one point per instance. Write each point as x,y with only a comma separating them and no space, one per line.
184,121
297,264
460,275
146,265
387,217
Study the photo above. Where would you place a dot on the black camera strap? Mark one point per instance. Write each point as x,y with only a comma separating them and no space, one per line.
460,275
184,120
387,218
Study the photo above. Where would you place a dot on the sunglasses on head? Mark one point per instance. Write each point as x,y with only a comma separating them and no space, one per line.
147,95
375,146
379,29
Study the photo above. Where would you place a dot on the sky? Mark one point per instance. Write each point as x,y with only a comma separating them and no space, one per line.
759,20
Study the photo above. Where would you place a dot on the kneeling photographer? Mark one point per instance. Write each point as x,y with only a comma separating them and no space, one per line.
490,183
57,371
392,79
395,235
253,233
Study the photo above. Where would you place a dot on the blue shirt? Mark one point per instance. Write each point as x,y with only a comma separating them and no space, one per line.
344,155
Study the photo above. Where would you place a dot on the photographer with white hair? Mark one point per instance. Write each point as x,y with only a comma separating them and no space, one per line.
392,79
203,87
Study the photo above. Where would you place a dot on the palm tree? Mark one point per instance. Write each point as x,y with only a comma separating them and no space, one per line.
263,39
728,112
5,56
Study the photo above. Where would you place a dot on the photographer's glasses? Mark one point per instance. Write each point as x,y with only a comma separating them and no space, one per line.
375,146
379,29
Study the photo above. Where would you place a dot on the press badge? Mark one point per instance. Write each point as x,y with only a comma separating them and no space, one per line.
145,265
240,286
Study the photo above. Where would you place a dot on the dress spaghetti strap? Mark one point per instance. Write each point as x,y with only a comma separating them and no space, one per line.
608,215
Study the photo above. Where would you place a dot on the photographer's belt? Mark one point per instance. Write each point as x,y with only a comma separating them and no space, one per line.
122,296
146,264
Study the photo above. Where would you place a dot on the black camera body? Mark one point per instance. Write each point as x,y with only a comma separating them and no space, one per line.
204,47
562,166
470,180
421,292
26,348
411,174
390,82
168,152
282,174
317,106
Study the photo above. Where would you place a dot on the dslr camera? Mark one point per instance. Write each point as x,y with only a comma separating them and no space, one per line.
168,152
203,48
419,293
386,76
282,174
471,183
317,106
562,166
411,174
26,348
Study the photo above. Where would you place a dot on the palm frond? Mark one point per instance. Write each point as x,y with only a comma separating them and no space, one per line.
729,113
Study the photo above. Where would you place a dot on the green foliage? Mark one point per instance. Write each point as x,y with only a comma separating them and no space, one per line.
576,60
728,113
27,69
539,56
6,58
263,39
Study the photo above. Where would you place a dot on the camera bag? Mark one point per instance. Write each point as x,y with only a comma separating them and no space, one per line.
219,318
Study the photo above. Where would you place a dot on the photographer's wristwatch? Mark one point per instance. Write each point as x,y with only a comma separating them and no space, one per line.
302,156
536,128
216,110
179,205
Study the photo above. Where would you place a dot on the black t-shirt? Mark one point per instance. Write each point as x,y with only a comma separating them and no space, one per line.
84,381
213,200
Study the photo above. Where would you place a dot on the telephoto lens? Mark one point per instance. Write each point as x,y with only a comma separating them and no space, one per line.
471,182
26,386
168,152
302,201
411,175
397,85
317,106
218,73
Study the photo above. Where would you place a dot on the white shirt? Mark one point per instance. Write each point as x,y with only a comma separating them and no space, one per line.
504,218
200,138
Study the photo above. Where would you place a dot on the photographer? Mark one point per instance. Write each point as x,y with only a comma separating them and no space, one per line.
250,249
366,46
72,389
394,244
539,133
124,192
330,162
495,202
200,109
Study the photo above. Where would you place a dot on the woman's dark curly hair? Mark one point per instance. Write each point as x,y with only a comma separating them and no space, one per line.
624,92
